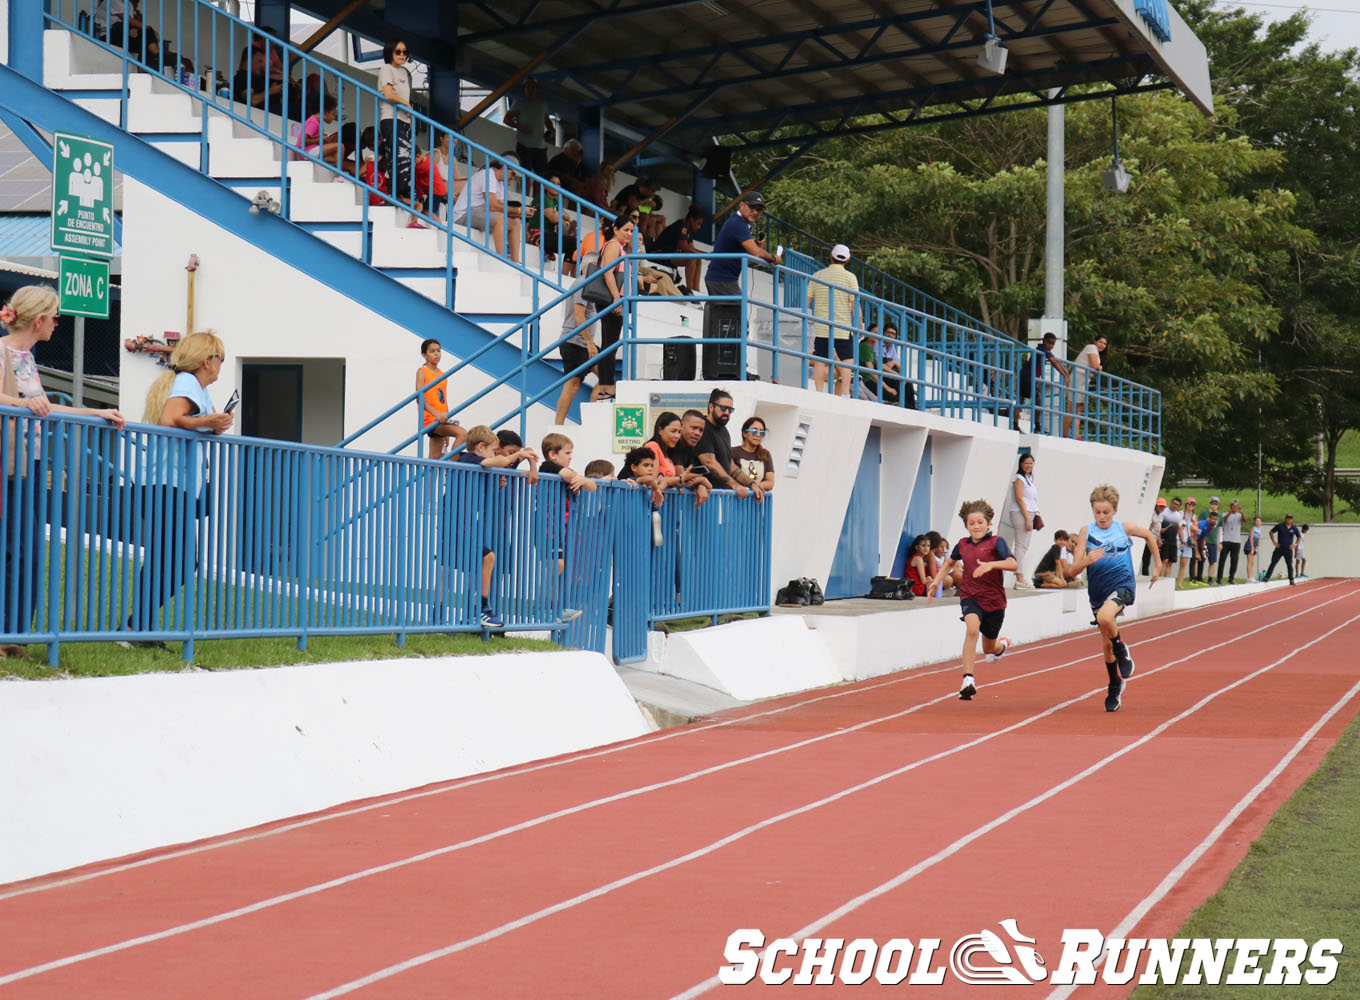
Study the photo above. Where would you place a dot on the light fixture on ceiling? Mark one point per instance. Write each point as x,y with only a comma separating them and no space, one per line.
992,58
1115,179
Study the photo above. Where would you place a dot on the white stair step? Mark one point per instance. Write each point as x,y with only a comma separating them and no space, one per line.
489,293
108,109
326,201
162,113
71,62
188,153
235,157
401,247
351,243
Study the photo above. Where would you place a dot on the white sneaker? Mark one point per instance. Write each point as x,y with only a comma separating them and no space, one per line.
1022,584
1005,645
967,689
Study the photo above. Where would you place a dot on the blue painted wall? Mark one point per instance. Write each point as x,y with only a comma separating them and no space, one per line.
856,561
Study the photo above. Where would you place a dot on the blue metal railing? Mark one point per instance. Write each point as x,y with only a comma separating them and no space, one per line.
291,87
152,533
872,280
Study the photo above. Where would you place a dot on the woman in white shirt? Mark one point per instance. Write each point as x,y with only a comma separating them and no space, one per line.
1087,361
394,133
1022,507
28,319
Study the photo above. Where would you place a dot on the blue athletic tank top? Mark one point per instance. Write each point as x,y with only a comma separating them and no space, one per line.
1115,568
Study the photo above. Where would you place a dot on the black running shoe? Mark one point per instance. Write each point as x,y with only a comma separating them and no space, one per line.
1116,696
967,689
1125,661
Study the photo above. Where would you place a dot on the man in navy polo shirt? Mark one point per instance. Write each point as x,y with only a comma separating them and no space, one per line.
1285,536
724,276
1033,370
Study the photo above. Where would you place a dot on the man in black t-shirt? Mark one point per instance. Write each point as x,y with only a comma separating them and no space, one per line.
1285,536
1048,573
715,450
569,165
678,237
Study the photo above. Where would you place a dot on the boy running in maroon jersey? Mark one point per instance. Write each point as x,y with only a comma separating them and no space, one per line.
983,605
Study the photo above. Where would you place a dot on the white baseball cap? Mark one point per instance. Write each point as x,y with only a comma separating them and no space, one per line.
840,252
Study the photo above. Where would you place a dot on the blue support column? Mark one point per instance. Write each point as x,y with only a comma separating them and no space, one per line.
704,193
445,95
26,38
592,138
274,16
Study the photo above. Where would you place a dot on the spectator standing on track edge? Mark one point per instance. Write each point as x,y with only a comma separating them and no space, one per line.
1285,536
1106,555
984,557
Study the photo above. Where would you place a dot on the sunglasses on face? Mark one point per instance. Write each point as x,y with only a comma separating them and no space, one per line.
399,52
755,433
722,409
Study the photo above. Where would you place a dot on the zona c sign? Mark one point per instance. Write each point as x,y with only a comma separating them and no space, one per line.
82,195
84,287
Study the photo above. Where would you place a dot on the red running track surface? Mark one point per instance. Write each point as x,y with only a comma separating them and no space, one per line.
885,809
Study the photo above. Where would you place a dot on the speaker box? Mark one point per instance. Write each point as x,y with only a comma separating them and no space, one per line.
678,360
722,362
718,163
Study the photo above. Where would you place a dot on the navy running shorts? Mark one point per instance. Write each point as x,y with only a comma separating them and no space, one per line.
989,622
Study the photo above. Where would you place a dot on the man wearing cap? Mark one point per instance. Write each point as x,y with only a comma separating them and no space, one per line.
826,300
724,275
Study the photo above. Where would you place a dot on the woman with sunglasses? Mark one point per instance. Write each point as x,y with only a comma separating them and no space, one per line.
751,457
394,133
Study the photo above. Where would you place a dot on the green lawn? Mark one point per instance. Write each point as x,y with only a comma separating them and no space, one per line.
1301,879
106,659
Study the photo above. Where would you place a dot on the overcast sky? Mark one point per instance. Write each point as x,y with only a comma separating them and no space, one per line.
1336,23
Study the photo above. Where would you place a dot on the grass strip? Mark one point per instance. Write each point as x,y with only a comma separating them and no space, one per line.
1301,879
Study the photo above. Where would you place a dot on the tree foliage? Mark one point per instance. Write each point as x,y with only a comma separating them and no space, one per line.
1228,276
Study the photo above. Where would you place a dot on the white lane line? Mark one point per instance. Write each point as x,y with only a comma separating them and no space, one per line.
391,801
747,831
1190,860
339,881
981,831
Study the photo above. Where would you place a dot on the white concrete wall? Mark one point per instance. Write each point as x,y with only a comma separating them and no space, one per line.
101,767
1333,549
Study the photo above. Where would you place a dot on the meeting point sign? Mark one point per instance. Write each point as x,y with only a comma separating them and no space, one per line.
82,196
1005,956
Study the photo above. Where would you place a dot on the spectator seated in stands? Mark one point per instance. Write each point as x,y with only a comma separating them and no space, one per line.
892,366
751,457
434,173
667,445
315,140
678,237
653,222
259,81
569,165
1048,574
482,205
482,450
871,356
939,555
919,569
559,230
597,188
600,469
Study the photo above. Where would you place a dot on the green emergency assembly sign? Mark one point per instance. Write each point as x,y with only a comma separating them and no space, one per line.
630,423
84,287
82,196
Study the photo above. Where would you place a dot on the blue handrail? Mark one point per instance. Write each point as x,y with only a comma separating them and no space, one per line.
217,36
160,534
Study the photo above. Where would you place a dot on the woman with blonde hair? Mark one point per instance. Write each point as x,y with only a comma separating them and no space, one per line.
175,496
28,319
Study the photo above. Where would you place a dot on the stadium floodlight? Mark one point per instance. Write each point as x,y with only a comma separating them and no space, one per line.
1115,179
993,55
992,58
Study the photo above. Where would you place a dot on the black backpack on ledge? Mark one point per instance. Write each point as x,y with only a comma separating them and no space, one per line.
890,588
801,593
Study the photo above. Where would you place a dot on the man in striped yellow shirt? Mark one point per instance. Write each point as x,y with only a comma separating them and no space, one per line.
826,300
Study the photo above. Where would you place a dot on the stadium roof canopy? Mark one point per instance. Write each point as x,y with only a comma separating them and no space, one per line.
777,71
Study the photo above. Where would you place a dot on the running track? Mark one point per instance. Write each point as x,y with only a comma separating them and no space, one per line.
882,809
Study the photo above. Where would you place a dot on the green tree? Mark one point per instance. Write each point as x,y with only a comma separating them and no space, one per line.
1171,272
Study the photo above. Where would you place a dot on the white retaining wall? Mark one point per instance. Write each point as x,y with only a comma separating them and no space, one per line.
101,767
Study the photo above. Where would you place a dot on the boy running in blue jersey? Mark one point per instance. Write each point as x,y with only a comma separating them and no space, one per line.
983,605
1105,554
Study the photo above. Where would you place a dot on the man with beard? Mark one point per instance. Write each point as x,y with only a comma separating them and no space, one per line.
714,450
